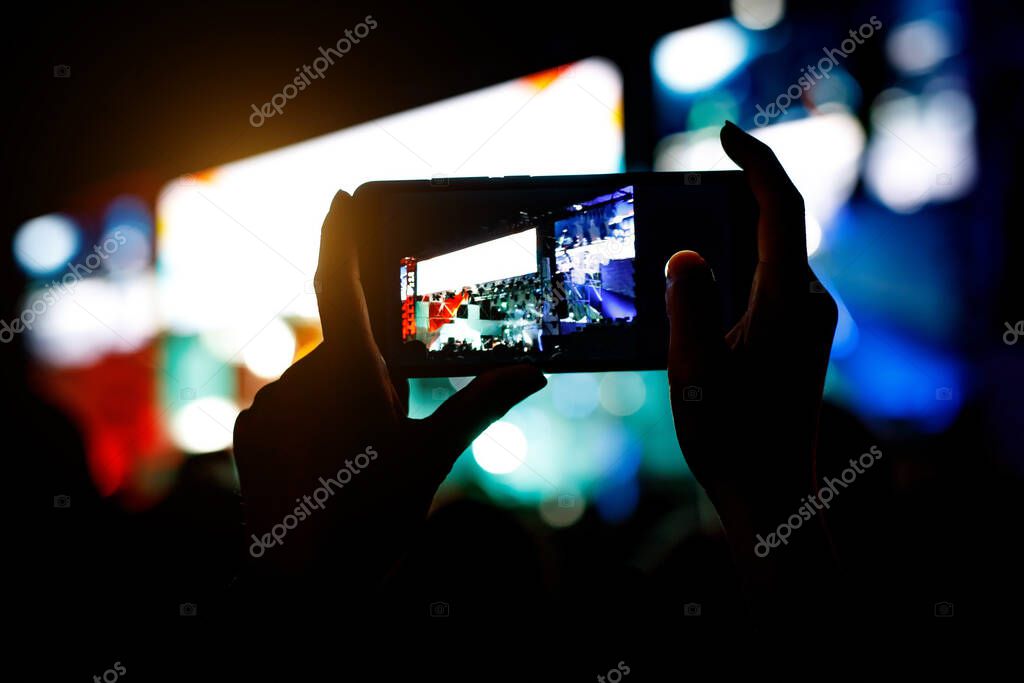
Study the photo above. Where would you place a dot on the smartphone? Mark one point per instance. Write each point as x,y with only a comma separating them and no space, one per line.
563,272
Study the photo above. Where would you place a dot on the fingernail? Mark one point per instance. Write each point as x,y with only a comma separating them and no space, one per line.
685,255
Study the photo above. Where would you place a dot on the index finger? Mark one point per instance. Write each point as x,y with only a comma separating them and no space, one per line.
781,232
339,290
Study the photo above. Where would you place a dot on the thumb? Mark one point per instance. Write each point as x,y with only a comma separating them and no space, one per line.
695,328
469,412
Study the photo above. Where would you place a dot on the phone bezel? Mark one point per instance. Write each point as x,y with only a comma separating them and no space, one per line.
381,282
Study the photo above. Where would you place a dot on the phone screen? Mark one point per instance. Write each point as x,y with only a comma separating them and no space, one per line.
552,281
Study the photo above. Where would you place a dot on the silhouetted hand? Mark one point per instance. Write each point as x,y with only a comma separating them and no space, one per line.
746,401
337,415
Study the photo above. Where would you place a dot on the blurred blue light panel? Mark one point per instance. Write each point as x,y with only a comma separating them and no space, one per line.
617,501
700,57
892,378
901,272
128,224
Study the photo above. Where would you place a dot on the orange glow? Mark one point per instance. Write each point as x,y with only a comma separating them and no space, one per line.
543,79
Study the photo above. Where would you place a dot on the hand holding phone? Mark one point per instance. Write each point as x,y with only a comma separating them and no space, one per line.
746,397
305,434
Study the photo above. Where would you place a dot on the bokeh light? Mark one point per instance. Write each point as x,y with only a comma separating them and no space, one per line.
918,46
563,510
758,14
270,352
132,253
44,244
923,150
204,425
76,325
127,235
501,448
574,395
699,57
622,393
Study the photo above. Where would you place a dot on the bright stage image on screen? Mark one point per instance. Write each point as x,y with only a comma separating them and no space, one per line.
556,283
